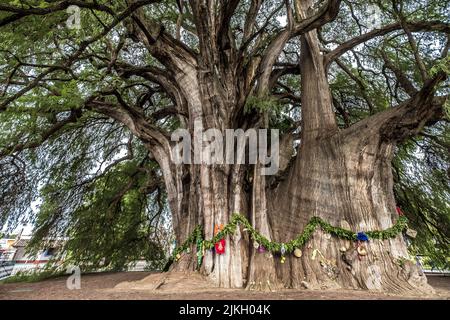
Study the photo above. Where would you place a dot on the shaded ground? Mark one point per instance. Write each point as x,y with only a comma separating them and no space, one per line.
178,286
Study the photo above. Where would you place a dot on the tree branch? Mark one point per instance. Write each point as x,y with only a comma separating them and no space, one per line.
250,19
408,118
413,27
19,13
401,77
173,54
44,136
324,15
83,46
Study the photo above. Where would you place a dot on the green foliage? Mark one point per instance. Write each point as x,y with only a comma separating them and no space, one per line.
262,104
422,191
279,118
447,109
441,65
112,227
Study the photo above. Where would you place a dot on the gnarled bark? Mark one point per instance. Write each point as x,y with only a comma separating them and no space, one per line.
342,176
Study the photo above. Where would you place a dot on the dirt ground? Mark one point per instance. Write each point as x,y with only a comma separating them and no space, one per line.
151,286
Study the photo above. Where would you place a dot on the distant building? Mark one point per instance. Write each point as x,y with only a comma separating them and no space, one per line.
6,249
14,257
7,252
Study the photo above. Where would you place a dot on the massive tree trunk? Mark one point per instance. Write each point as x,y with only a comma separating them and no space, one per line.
342,176
346,180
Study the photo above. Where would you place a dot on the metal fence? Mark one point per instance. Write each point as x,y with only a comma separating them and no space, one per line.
6,268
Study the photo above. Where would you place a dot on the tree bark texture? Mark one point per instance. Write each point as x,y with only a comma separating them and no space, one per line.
342,176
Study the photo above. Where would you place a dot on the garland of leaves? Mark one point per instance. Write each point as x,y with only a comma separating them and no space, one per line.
197,236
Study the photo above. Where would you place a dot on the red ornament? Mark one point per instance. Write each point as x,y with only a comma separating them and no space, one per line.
220,245
399,211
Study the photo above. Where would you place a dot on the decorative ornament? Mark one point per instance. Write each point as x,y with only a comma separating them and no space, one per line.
297,252
188,250
177,257
411,233
399,211
200,252
218,228
220,245
361,250
261,249
256,245
361,236
283,249
283,259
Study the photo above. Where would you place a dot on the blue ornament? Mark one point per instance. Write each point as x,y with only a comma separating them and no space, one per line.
283,249
362,236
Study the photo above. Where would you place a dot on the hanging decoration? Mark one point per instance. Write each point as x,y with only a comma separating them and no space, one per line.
361,236
297,252
174,244
361,250
411,233
288,247
283,251
200,252
219,245
261,249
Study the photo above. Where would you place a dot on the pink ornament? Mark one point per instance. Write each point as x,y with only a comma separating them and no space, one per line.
261,249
